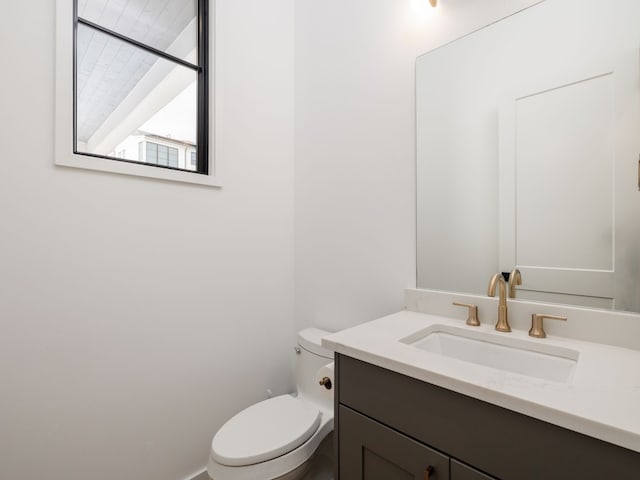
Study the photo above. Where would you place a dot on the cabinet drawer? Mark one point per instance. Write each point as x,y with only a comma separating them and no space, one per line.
460,471
503,443
371,451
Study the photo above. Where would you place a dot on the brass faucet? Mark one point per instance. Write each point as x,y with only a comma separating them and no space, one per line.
515,278
503,322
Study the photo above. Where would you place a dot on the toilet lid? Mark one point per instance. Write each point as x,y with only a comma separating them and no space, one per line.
264,431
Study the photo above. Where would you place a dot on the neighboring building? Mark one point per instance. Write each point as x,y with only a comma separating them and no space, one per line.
147,147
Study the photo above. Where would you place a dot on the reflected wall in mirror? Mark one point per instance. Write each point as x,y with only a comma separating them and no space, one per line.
528,137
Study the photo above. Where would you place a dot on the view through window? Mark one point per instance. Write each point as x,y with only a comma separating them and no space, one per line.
140,86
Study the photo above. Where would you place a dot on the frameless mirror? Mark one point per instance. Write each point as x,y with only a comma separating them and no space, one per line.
528,136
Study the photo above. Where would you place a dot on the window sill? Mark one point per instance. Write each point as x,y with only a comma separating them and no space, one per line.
124,168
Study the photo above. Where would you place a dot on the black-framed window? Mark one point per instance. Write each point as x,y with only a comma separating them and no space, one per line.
141,67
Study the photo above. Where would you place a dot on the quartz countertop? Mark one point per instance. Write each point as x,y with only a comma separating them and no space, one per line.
601,400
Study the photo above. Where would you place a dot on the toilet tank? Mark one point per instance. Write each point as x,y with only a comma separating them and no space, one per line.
310,358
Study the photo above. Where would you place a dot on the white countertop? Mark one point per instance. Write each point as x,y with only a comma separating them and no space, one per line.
602,400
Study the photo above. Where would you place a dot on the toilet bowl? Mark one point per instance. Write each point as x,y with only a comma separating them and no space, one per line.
276,438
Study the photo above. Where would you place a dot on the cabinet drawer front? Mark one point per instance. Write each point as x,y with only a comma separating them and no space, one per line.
495,440
371,451
460,471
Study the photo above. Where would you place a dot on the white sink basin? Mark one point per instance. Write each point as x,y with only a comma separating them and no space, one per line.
499,351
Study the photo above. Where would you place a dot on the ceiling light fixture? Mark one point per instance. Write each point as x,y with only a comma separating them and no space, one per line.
433,3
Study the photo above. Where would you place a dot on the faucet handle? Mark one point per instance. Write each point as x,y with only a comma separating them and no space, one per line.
537,327
472,317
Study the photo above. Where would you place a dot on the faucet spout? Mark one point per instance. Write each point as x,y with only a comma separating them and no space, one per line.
498,280
515,278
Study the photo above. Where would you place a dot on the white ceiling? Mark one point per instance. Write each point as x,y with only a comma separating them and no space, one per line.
152,22
108,68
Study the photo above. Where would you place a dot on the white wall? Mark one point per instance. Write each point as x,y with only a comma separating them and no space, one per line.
355,153
122,351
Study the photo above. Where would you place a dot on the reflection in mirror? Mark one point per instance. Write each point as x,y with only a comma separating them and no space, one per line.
528,136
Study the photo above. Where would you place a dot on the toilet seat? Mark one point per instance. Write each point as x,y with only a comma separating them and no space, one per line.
265,431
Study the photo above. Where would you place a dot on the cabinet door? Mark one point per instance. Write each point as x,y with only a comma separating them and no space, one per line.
460,471
371,451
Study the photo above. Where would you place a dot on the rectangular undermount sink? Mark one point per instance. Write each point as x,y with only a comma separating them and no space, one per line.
499,351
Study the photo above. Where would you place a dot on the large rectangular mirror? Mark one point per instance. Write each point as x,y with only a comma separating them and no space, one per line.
528,142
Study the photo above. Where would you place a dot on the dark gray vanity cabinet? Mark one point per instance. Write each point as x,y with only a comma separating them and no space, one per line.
460,471
390,426
372,451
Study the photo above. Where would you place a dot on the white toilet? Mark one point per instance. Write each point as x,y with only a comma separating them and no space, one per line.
276,438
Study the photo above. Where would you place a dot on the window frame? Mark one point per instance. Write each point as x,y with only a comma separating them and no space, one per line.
65,151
